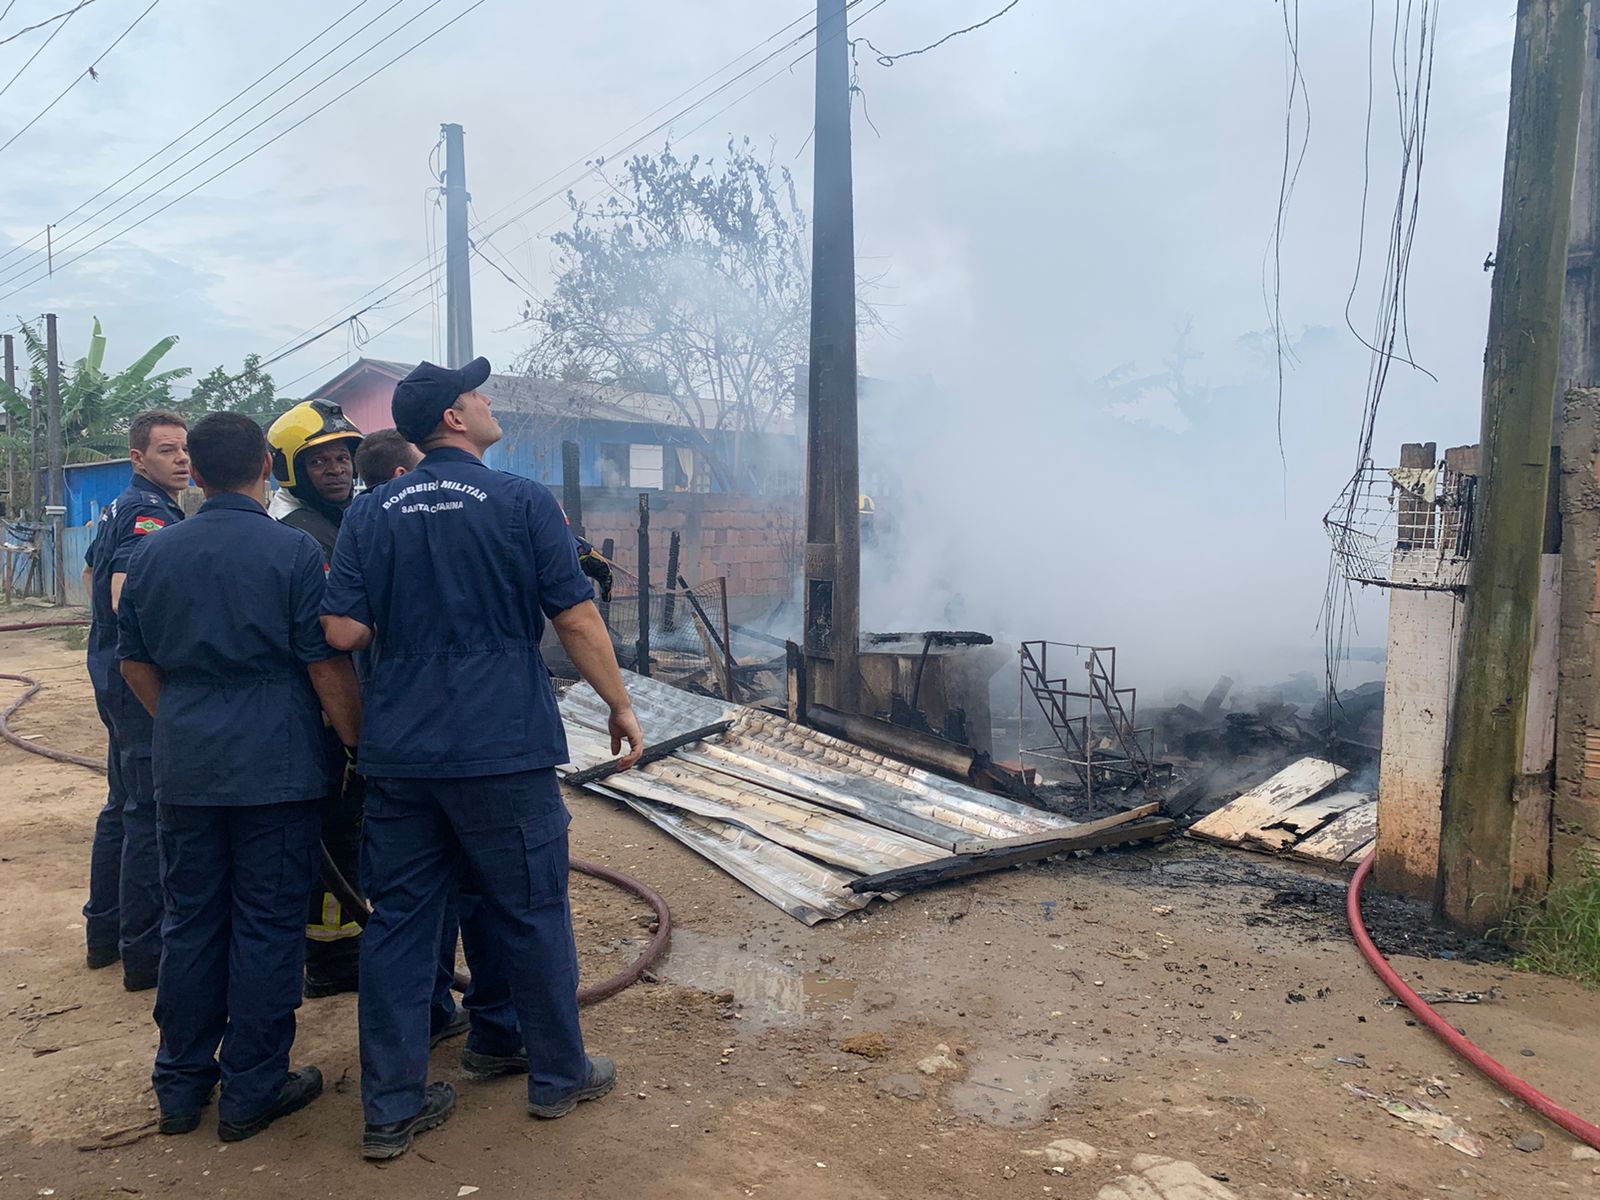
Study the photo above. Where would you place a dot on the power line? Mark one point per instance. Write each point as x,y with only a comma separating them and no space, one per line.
63,18
593,153
309,337
20,269
270,141
888,60
77,79
242,91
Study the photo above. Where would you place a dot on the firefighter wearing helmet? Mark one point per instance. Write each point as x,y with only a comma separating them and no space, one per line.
313,460
313,457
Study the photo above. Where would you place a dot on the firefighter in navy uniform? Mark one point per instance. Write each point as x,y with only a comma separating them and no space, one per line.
313,461
122,920
451,571
218,637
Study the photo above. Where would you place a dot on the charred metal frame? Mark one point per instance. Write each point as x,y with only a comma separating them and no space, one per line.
1132,763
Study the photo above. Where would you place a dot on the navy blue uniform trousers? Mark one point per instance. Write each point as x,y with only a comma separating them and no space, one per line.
102,922
125,907
237,881
508,834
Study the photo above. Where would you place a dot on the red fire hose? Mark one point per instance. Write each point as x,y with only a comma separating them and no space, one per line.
1522,1090
352,902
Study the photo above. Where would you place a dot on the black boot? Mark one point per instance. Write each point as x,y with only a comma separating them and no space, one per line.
300,1089
394,1139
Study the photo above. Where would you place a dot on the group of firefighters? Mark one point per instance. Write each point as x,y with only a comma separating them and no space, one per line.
362,677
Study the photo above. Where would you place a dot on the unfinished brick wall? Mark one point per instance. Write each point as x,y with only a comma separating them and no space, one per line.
755,541
1576,816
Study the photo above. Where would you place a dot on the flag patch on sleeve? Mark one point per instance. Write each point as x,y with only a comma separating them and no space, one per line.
146,525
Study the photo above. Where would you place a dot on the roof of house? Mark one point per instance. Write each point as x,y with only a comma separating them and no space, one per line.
556,398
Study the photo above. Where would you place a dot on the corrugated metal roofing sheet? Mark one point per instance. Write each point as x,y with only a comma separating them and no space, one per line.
792,813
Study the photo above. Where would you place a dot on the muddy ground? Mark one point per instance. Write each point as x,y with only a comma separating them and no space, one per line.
1175,1023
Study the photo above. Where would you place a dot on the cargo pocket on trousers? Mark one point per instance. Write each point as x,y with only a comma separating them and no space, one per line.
544,845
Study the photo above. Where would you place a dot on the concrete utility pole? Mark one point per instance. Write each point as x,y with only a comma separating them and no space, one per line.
457,254
1484,758
833,548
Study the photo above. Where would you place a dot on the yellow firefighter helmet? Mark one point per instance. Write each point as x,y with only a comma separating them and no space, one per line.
309,423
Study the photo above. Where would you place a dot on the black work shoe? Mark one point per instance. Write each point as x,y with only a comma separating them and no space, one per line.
300,1089
394,1139
458,1024
477,1065
138,983
602,1078
318,986
176,1123
98,959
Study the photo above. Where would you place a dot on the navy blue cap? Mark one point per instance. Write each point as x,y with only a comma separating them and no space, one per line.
421,398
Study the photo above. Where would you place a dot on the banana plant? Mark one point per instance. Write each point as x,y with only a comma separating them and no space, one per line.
96,408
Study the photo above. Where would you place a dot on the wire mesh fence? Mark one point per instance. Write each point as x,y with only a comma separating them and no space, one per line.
687,626
1408,527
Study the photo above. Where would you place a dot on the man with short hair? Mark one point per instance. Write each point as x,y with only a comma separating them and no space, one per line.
383,456
122,920
219,638
451,571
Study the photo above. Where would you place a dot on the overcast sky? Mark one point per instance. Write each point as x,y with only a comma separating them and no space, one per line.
1047,200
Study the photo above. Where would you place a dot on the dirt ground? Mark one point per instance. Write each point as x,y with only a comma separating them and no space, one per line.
1173,1024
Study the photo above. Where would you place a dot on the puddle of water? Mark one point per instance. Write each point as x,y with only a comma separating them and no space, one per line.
768,992
1010,1088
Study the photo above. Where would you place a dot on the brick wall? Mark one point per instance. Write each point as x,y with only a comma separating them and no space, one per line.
1576,816
757,542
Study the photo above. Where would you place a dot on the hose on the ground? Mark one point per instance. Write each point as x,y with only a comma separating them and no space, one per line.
44,625
351,902
43,751
1521,1089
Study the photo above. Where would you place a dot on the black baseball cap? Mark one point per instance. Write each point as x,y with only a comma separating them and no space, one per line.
421,398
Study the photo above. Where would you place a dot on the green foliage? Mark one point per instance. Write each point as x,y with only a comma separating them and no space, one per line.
1562,935
96,408
250,391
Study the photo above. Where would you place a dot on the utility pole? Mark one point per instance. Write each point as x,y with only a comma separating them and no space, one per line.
1484,758
5,422
36,473
458,264
833,547
55,510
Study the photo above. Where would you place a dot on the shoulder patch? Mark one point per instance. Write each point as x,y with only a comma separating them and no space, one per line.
146,525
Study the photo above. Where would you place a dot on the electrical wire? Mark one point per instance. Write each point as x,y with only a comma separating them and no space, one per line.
21,269
589,167
77,79
404,271
1413,92
273,70
1288,177
270,141
64,18
888,60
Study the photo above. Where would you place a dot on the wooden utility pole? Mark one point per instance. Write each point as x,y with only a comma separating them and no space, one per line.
35,461
457,249
571,487
11,451
642,646
58,490
833,547
1484,757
